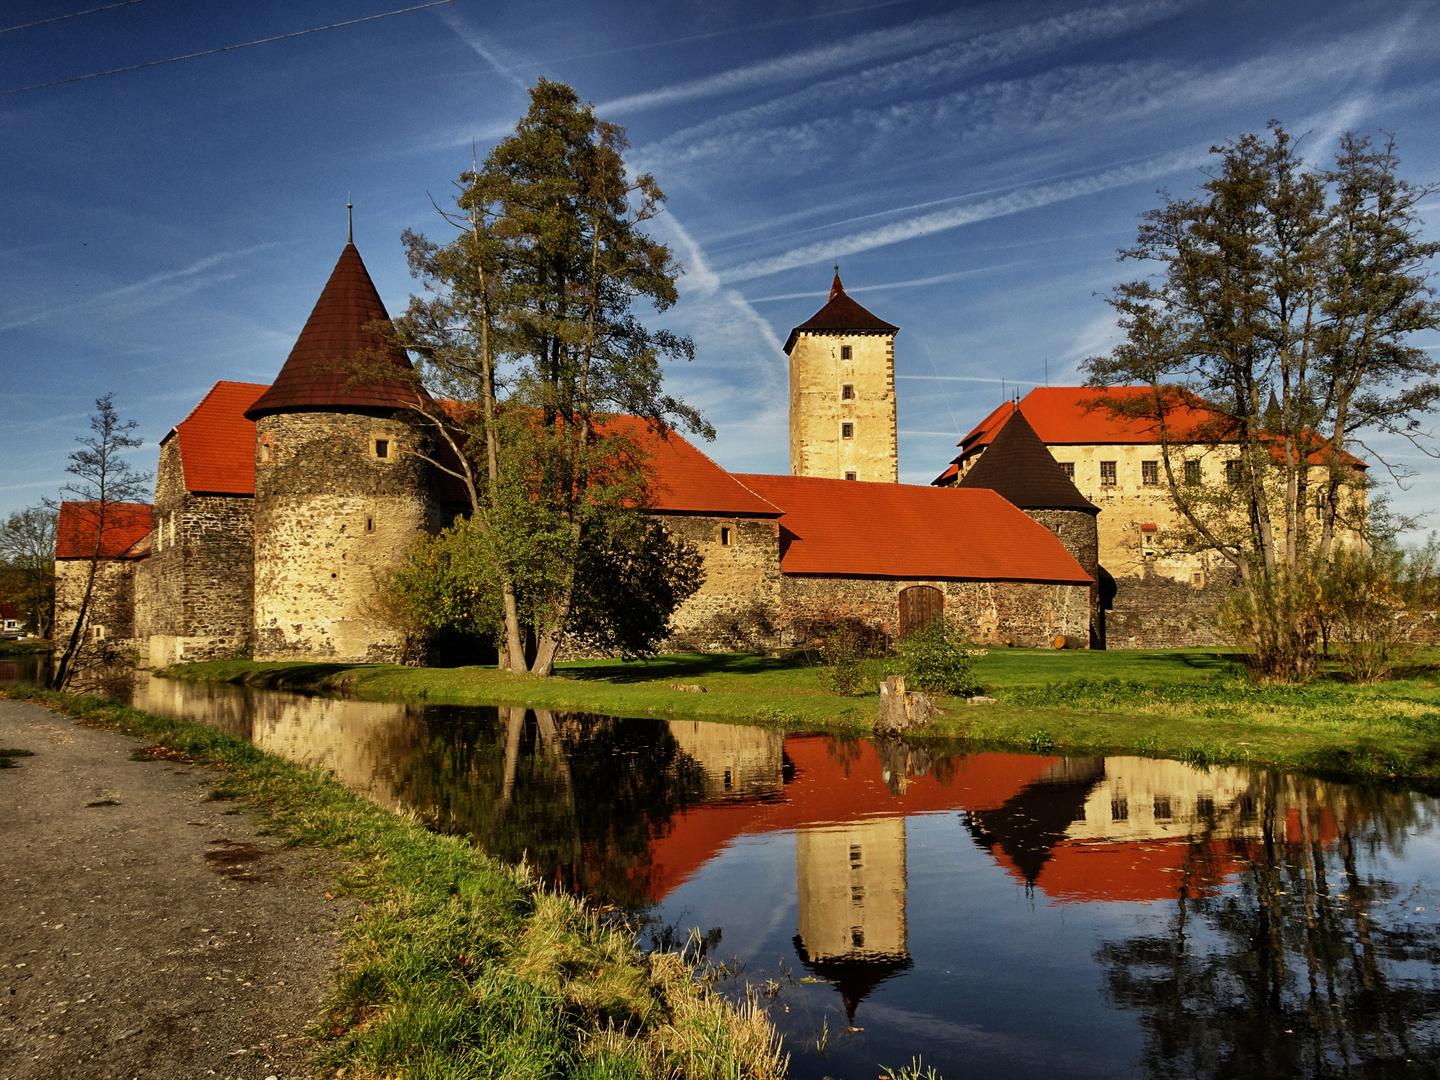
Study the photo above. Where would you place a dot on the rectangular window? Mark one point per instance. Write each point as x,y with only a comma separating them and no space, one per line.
849,476
725,536
1150,473
1107,474
844,352
1069,467
847,431
1192,473
382,448
369,524
1234,471
847,392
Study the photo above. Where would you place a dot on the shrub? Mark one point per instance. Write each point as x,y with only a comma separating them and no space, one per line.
936,659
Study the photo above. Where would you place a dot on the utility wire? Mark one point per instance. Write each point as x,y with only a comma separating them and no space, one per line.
224,48
62,18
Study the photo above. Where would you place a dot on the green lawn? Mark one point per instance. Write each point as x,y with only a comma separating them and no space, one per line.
1192,704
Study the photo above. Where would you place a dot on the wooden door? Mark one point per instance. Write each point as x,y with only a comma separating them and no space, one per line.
919,605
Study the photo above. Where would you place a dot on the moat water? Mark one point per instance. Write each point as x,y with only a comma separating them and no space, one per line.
1002,915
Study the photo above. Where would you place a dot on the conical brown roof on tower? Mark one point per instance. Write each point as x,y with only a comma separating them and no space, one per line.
1018,467
317,375
841,314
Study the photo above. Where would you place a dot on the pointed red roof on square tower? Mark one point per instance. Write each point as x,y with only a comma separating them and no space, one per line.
338,331
839,315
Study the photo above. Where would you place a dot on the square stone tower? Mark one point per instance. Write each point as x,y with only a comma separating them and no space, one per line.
842,393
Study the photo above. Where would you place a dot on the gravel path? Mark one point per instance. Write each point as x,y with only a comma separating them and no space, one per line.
144,932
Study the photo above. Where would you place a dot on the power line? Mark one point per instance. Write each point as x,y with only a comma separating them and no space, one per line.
223,48
62,18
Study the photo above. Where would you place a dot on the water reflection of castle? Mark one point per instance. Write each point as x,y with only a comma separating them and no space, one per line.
1080,829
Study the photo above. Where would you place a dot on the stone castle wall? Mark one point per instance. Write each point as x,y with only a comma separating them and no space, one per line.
201,572
333,519
1013,612
737,605
1078,531
818,409
111,615
1155,611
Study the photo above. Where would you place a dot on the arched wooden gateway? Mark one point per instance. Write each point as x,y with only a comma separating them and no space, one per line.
919,606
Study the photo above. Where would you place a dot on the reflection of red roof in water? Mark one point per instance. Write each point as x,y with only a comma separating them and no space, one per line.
1079,871
823,793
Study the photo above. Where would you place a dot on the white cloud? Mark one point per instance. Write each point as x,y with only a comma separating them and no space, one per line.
1024,198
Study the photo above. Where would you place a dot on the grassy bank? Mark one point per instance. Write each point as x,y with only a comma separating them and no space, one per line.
25,648
1194,705
459,966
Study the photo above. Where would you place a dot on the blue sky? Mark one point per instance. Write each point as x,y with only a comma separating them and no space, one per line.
972,167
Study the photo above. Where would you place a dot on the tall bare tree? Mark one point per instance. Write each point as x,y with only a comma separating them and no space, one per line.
104,480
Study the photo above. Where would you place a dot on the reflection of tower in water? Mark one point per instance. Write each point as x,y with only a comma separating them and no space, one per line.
851,885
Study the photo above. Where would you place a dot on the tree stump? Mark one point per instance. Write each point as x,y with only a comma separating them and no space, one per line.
900,710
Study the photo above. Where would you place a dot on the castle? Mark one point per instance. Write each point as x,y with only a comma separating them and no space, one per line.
281,510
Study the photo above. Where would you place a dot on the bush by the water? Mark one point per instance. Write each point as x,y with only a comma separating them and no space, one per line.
935,659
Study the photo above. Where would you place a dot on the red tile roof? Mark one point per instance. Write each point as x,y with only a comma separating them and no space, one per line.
126,529
1078,416
840,314
685,481
337,331
851,528
217,442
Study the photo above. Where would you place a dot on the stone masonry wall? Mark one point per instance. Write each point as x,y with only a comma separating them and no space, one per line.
818,408
332,521
1024,613
737,605
112,601
1077,530
201,574
1154,611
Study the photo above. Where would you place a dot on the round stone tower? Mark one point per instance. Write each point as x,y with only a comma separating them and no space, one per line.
1018,467
842,393
340,494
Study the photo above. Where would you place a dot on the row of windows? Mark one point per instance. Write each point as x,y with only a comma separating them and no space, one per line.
1150,472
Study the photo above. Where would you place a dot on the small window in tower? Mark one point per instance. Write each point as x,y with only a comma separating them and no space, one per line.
1192,473
847,392
857,937
844,352
847,431
382,448
1234,471
369,524
849,476
1107,474
1150,473
264,452
1069,467
727,537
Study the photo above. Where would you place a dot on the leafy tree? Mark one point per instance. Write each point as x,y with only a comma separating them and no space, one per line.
104,479
27,564
1283,308
527,333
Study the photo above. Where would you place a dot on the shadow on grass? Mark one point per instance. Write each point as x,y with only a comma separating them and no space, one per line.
298,674
682,666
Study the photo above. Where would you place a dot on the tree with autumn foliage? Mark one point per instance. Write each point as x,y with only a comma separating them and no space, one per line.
528,343
1284,306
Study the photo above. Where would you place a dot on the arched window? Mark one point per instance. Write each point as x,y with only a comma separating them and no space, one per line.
919,605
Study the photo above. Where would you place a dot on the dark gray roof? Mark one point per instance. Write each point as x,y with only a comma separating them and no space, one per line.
1018,468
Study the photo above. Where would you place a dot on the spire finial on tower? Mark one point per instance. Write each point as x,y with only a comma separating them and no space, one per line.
836,289
350,209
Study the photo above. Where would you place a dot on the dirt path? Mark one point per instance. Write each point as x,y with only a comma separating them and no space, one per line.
145,932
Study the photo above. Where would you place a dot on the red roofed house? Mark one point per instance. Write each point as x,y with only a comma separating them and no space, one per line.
119,533
280,511
1157,596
